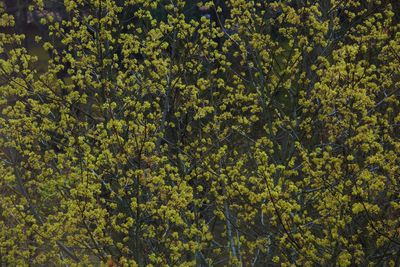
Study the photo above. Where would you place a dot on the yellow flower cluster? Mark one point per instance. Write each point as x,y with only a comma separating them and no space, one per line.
201,133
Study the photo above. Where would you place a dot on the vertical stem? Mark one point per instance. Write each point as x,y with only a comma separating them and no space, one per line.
229,229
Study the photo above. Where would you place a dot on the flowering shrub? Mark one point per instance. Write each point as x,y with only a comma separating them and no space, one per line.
186,133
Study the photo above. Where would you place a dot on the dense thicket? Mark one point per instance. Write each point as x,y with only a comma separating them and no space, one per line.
187,133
